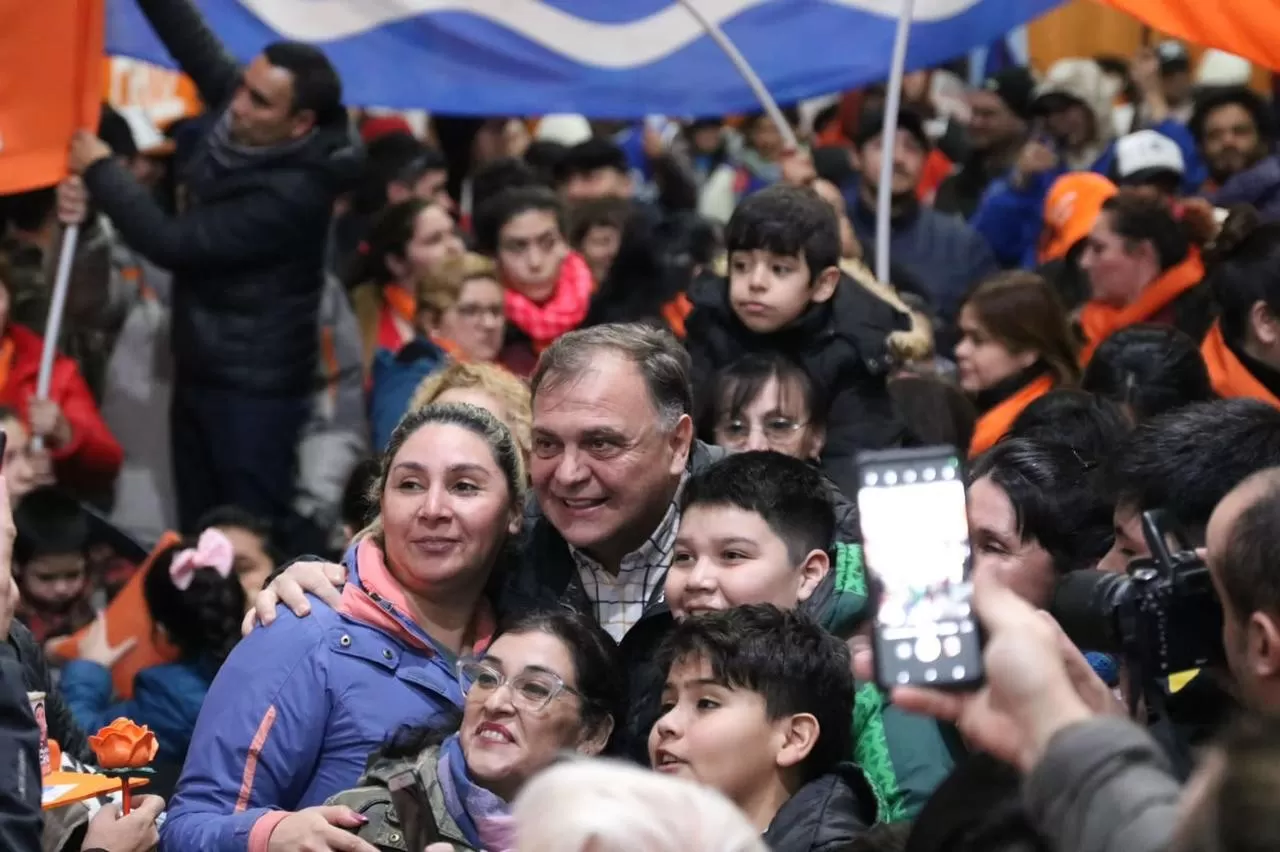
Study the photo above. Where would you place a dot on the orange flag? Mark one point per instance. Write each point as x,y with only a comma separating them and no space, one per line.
50,86
1248,28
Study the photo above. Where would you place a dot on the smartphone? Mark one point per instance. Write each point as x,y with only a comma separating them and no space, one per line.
915,534
4,445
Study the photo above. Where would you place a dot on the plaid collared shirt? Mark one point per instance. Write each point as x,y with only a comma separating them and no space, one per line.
621,600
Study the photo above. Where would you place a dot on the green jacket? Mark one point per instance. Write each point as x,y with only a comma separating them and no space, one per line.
371,798
904,756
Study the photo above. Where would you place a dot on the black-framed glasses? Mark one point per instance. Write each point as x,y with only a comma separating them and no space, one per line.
531,689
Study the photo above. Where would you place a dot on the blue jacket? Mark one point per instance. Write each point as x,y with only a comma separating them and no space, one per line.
294,713
395,378
1258,187
1011,219
167,699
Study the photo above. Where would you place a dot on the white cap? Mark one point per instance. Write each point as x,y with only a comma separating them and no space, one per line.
565,128
1147,152
1219,68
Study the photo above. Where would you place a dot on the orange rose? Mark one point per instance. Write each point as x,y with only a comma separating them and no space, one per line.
124,744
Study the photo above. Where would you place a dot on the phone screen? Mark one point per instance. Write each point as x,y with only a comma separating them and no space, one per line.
916,538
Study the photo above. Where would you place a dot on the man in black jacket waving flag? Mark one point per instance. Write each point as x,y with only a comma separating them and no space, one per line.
247,256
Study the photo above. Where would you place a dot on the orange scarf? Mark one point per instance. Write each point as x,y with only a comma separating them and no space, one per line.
676,312
396,303
402,304
6,361
1230,378
1099,321
993,425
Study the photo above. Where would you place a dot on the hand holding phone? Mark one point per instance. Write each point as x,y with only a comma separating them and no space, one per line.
915,532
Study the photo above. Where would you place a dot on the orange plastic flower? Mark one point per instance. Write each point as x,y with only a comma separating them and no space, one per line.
124,744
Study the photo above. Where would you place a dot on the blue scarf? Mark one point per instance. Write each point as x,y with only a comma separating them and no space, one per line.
485,819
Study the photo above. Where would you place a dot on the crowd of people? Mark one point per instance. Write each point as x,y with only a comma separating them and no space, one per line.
495,489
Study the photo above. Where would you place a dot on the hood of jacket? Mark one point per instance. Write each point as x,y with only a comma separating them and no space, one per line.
1083,80
825,815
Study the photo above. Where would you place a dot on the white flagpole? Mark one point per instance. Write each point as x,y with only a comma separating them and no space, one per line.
789,141
888,139
57,307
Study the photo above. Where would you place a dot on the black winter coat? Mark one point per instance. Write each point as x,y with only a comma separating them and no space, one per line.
842,346
825,815
20,818
248,252
35,673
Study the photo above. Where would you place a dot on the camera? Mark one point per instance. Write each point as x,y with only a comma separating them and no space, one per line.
1162,616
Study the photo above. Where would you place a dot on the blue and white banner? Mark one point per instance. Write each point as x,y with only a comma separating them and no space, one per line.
605,58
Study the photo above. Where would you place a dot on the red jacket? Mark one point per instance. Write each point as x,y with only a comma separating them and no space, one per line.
92,458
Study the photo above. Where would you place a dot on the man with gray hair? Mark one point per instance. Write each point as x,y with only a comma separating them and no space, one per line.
612,444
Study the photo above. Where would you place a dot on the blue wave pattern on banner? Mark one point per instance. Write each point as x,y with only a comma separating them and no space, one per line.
608,58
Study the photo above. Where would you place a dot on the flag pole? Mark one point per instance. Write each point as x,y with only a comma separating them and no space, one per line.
57,307
789,141
888,139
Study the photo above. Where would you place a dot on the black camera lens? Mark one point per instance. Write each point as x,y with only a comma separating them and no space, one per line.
1085,604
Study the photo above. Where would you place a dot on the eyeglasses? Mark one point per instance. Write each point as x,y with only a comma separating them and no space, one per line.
531,690
475,312
776,430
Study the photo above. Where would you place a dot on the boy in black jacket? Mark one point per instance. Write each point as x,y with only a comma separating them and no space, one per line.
785,292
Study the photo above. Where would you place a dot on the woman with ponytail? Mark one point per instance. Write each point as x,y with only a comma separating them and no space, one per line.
408,242
1242,349
196,600
1142,258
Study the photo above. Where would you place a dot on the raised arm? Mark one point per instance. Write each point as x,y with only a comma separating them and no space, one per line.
197,50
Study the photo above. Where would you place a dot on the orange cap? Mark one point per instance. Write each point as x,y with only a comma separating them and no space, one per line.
1070,209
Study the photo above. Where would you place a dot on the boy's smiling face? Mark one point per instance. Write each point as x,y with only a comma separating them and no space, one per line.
768,290
726,556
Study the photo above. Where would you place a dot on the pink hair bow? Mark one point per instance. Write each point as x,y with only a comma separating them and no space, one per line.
213,550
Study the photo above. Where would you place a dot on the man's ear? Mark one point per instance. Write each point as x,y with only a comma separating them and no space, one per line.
594,741
681,442
813,569
1263,636
799,737
304,121
824,287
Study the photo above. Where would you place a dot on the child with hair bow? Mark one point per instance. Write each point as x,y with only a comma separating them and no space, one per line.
197,601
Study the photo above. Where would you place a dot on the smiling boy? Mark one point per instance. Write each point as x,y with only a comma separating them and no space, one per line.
756,528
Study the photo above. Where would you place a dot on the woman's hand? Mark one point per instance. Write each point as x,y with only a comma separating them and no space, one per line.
322,829
322,579
48,421
134,832
97,648
1038,683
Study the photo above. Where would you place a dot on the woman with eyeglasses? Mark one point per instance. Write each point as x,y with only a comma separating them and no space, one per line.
297,707
768,402
551,683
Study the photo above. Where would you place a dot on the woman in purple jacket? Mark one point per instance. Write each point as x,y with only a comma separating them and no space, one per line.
296,709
